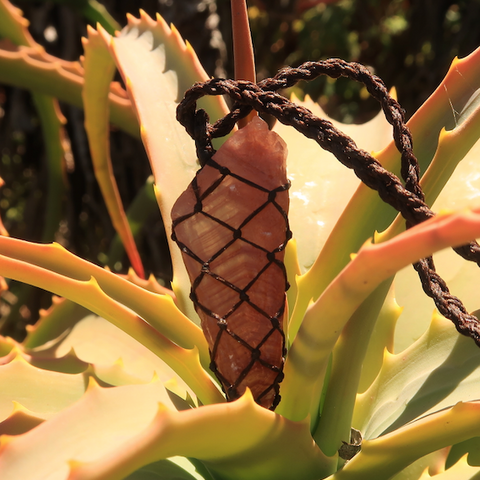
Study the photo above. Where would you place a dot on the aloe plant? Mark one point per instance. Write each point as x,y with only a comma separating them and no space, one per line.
113,382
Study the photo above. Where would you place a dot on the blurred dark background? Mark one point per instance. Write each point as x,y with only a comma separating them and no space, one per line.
408,43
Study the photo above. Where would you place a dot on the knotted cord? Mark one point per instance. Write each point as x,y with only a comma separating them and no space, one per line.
407,199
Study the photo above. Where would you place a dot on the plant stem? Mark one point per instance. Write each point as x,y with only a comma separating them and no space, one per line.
242,48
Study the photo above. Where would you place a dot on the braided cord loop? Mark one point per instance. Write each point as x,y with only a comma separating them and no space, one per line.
407,198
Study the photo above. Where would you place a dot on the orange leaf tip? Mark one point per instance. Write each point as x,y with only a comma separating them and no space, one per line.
162,23
92,385
5,440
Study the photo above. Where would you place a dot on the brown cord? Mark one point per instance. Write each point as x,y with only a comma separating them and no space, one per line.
268,395
408,199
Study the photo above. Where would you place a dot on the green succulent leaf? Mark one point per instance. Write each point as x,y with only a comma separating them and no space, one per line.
172,469
57,148
469,448
347,365
84,289
6,345
390,453
120,414
131,429
14,28
116,358
365,212
437,371
35,70
158,309
433,463
461,191
142,208
147,50
450,181
461,470
54,322
321,186
99,71
350,362
324,321
39,392
381,339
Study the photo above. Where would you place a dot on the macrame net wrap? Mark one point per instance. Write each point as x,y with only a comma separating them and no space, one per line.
407,198
231,225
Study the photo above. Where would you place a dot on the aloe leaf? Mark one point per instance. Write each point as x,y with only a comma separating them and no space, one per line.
348,355
99,71
433,463
91,9
143,206
461,470
77,434
461,191
89,294
453,146
57,146
35,70
390,453
14,27
321,185
167,469
308,357
133,426
116,358
6,345
249,434
382,338
157,67
437,371
366,212
293,271
462,279
95,13
68,363
158,310
445,128
41,392
151,284
52,323
21,420
469,449
357,359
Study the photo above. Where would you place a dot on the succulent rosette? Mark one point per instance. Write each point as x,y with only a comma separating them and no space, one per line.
114,381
